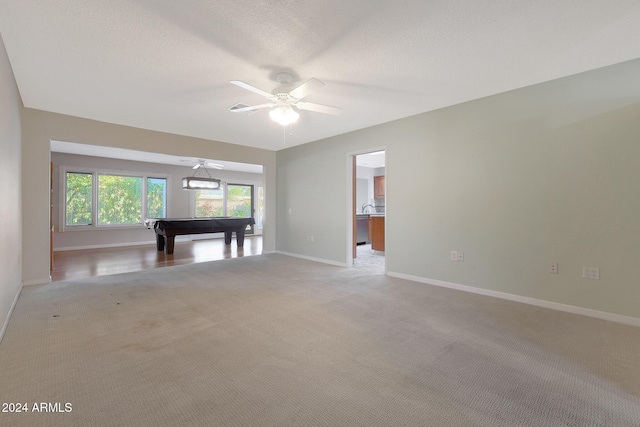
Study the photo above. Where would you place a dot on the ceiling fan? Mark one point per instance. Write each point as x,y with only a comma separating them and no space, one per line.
283,102
205,164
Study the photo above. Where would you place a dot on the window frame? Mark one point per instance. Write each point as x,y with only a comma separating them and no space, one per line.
223,184
94,172
193,203
145,194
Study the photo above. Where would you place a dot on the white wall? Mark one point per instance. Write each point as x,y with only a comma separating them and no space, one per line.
39,127
547,173
11,197
178,200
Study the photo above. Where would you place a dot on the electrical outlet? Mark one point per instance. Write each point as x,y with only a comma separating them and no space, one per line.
460,256
553,268
454,255
591,273
311,238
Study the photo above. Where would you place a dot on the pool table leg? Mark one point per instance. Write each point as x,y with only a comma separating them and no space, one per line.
159,242
170,241
240,237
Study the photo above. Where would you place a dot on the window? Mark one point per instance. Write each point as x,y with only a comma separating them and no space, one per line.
260,216
79,198
112,199
239,200
156,198
119,199
234,200
209,203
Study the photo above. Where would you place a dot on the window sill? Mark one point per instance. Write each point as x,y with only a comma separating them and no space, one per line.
100,228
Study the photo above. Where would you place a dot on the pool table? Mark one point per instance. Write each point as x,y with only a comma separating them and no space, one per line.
168,228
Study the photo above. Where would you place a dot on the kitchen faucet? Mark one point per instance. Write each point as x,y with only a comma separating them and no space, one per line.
366,205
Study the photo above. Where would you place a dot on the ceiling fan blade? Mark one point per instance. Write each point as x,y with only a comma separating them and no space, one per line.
311,106
251,88
196,166
306,88
251,108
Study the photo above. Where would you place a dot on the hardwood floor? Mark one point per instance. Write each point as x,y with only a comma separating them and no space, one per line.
98,262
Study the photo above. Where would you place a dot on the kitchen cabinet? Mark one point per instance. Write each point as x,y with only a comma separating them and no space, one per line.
378,187
376,232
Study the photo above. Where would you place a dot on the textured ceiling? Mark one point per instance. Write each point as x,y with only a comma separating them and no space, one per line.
166,65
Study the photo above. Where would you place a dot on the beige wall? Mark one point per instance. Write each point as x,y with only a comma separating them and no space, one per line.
39,127
543,174
10,194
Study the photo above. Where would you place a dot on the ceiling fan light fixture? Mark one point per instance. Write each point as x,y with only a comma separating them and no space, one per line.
284,115
194,183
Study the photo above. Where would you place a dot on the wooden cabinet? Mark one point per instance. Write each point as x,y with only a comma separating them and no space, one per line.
378,187
376,232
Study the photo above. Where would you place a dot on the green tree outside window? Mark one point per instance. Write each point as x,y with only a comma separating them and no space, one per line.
156,197
79,198
119,200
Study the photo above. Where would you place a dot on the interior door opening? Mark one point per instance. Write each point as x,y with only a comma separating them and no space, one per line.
369,210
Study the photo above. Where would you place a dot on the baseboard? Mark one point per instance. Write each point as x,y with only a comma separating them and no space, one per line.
110,245
612,317
309,258
6,321
37,282
178,239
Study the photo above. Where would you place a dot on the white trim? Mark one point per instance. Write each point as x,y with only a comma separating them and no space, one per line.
612,317
350,213
33,282
349,199
6,321
109,245
309,258
82,228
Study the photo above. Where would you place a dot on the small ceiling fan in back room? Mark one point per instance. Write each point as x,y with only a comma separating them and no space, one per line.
284,102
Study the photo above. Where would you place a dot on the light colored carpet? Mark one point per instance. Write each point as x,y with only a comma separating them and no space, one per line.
278,341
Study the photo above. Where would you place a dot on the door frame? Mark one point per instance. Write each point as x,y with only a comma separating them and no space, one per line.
351,201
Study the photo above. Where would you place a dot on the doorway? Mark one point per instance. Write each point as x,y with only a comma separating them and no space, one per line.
369,210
